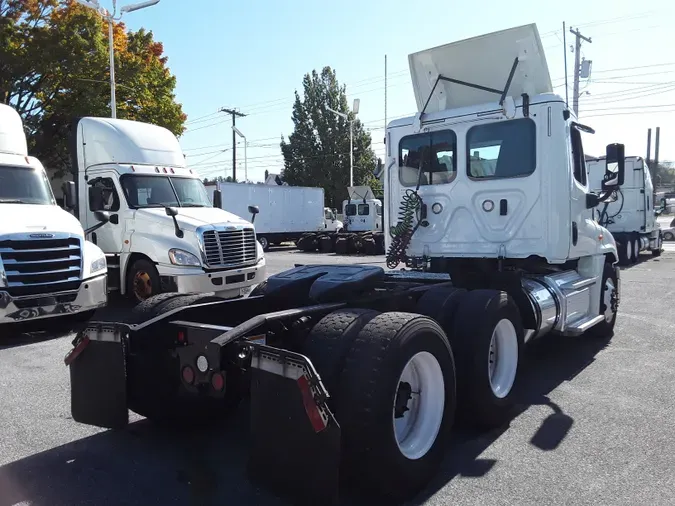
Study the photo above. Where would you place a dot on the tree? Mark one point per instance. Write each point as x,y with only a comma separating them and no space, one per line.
663,174
54,67
317,152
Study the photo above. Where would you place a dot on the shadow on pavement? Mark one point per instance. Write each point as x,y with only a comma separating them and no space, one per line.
148,465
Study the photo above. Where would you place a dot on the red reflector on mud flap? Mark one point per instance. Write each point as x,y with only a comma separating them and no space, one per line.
75,352
311,408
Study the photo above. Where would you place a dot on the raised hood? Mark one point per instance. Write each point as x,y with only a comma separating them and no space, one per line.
193,217
28,218
486,61
12,136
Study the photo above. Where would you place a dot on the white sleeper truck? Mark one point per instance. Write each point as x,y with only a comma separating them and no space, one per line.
47,268
164,234
357,371
629,212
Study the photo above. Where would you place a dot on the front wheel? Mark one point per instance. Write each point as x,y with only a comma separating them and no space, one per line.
143,281
264,242
609,301
396,403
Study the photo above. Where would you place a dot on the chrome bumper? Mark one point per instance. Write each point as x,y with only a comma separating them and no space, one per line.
92,294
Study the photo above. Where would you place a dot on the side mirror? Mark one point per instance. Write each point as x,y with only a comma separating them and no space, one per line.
102,216
615,166
253,210
378,169
171,211
69,195
218,199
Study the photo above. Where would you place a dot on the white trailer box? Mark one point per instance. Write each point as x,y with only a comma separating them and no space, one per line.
629,215
286,212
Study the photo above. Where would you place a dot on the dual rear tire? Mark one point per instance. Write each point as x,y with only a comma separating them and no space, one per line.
395,380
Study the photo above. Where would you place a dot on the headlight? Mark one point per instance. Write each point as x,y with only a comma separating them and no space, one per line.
98,265
180,257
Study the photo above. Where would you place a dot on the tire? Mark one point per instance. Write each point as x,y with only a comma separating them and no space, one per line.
329,342
259,289
153,306
143,281
490,321
264,242
605,329
441,304
625,252
636,250
370,386
659,246
668,236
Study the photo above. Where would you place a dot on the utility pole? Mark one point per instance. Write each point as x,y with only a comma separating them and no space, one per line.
577,67
649,145
234,115
656,146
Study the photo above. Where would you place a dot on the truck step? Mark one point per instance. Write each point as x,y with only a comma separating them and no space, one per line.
578,328
579,283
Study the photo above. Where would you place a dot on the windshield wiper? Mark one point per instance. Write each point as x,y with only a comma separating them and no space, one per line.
13,201
192,205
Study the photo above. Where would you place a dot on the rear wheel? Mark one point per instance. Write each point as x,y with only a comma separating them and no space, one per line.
668,236
636,250
264,242
396,403
489,337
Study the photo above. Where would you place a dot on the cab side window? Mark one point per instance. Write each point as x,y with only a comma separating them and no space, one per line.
103,195
578,156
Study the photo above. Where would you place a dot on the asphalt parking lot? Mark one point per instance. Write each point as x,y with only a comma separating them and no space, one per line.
594,425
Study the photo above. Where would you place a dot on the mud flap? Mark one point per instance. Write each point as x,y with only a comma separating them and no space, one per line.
98,385
295,448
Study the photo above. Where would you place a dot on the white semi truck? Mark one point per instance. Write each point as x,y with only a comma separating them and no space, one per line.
362,211
47,268
285,214
354,370
164,234
629,213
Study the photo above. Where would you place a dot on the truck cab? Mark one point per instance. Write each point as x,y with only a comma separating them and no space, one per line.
362,211
490,175
47,268
629,214
331,222
164,232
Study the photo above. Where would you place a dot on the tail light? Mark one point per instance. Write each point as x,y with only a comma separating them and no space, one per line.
188,374
217,381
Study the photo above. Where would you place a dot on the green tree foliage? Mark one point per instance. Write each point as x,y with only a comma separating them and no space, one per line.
317,152
663,174
54,67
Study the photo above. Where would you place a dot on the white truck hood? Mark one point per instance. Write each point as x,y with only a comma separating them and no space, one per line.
31,218
189,218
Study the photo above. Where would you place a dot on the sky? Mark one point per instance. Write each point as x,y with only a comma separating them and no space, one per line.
252,56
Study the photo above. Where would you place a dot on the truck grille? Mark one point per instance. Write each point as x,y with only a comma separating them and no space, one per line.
230,248
41,266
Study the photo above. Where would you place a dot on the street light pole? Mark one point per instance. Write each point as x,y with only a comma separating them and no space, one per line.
355,111
113,100
110,18
238,132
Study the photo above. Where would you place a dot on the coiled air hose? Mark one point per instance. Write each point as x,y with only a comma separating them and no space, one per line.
403,231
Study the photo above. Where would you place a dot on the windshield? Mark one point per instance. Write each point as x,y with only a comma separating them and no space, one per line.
163,191
24,185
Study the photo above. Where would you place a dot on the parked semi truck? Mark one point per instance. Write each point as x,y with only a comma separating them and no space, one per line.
629,214
47,268
355,372
286,213
164,234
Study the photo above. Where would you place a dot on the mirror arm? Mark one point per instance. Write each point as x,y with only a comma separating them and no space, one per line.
94,228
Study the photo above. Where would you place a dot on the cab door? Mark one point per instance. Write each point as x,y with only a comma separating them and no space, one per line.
104,194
